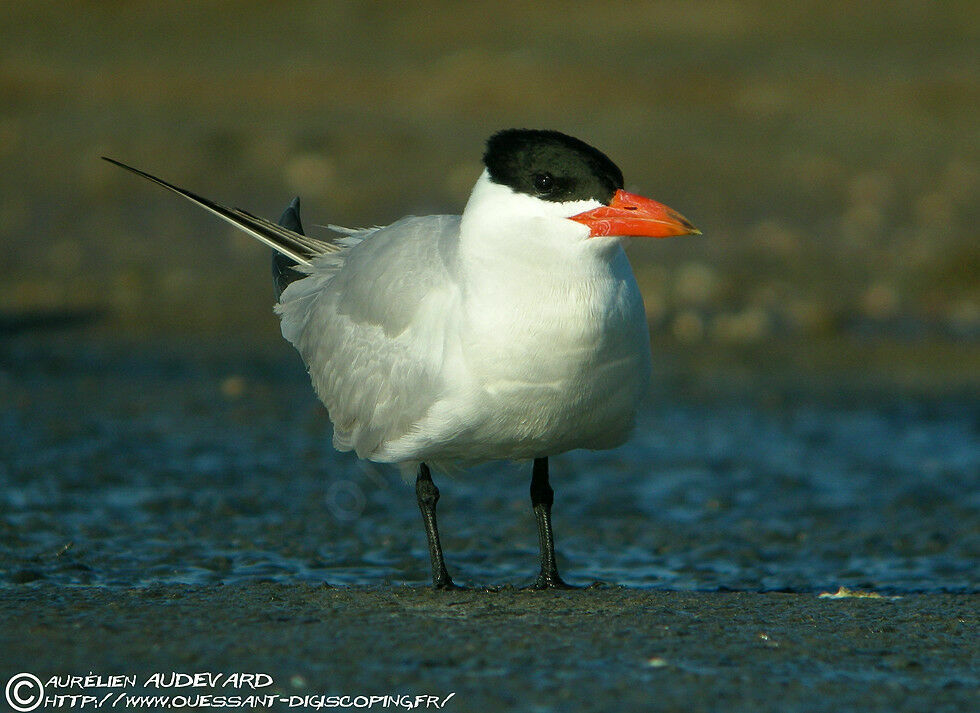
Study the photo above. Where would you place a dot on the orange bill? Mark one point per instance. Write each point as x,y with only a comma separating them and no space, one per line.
631,215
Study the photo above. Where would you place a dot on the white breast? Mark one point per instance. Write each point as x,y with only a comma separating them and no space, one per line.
551,350
561,359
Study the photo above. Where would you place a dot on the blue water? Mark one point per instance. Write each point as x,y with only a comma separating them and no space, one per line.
135,464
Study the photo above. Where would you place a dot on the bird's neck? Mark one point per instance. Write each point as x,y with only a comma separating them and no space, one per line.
532,283
508,237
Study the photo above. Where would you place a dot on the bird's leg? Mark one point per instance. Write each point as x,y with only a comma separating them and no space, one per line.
428,495
542,497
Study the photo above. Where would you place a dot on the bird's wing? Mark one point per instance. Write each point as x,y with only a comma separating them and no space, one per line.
370,316
301,248
372,325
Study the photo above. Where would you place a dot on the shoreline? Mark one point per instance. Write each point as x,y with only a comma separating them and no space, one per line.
511,648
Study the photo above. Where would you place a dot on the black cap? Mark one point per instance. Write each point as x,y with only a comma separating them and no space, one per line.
551,166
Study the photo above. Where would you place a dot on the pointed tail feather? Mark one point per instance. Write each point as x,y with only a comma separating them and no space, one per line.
283,271
294,245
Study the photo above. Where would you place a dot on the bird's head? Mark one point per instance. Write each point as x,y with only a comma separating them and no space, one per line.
546,174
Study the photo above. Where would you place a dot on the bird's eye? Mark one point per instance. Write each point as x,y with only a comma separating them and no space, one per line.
543,182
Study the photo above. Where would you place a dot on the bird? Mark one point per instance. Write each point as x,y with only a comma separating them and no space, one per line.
514,331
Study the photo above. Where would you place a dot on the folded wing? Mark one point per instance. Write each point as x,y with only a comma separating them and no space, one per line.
374,326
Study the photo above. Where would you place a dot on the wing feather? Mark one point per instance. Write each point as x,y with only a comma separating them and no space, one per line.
297,246
372,329
371,317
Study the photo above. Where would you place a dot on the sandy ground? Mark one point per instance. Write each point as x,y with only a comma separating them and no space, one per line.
168,508
586,650
169,496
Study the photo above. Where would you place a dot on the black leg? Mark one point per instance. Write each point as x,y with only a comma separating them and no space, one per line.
428,495
542,497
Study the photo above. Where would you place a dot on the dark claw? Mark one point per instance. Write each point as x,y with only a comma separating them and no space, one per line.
552,582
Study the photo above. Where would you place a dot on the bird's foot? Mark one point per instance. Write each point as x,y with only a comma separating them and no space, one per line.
446,584
551,581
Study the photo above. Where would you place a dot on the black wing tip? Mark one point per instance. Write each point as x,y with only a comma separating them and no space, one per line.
154,179
114,162
290,217
283,272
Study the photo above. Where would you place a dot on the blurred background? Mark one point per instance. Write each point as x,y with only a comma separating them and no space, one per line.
829,151
814,413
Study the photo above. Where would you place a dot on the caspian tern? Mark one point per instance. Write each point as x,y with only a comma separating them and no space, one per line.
514,331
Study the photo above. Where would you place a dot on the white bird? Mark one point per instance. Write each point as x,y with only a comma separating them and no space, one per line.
514,331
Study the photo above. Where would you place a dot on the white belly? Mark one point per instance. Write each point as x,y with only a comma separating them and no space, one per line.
550,367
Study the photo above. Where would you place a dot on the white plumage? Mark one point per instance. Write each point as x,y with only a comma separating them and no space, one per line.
515,330
454,340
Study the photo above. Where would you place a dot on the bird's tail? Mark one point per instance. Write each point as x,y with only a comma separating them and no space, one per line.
284,267
286,238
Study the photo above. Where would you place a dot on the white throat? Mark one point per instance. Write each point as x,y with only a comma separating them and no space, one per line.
498,218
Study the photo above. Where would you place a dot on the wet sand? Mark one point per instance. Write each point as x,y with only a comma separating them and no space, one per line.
175,507
594,649
170,498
